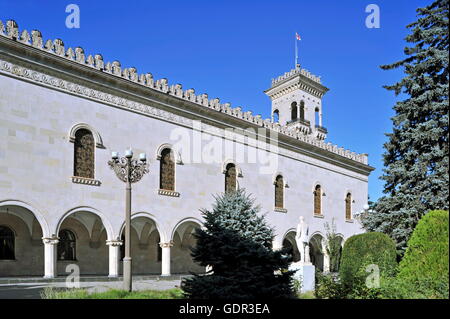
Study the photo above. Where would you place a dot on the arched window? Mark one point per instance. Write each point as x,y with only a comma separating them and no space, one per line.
66,245
302,110
6,243
348,206
276,116
84,150
230,178
318,200
294,111
167,170
279,192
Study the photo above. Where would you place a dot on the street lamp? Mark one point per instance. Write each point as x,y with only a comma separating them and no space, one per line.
359,215
130,171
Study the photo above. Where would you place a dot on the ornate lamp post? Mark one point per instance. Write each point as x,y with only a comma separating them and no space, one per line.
130,171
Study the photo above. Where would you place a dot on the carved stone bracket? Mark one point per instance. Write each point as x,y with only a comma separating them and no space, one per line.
166,245
114,243
50,241
85,181
166,192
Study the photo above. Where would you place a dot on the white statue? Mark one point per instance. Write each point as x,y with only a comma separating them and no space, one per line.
301,239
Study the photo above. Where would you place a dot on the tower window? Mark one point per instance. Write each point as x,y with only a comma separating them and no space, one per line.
276,116
302,110
294,111
317,116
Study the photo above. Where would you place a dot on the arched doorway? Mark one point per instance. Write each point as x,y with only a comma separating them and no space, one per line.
21,247
290,244
145,249
316,251
82,241
183,240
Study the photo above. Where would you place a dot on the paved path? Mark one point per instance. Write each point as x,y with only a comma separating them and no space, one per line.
33,290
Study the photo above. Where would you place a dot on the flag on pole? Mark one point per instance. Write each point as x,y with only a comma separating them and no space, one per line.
297,36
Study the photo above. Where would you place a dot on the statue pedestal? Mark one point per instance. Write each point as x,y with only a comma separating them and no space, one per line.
305,273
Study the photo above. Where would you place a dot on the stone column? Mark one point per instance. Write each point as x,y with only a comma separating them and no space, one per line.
114,257
165,258
50,257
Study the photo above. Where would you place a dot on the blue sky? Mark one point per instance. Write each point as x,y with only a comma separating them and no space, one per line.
232,49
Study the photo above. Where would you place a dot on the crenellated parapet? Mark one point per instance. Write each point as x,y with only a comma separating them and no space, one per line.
294,72
57,47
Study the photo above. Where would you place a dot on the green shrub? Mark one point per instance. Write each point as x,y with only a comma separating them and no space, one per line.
424,270
399,288
362,250
328,286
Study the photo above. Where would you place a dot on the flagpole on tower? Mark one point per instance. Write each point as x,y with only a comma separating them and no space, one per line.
297,38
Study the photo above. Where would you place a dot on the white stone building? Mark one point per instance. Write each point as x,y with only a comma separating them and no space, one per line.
63,111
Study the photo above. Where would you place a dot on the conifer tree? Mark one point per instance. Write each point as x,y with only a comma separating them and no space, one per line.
416,154
236,243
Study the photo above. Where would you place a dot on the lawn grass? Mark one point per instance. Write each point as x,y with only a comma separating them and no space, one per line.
52,293
306,295
175,293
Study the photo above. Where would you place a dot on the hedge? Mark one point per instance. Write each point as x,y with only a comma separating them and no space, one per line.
362,250
425,264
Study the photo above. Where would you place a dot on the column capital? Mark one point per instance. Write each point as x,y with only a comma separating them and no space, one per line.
50,240
166,245
114,243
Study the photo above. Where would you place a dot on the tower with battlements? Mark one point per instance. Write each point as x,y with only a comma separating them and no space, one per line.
297,102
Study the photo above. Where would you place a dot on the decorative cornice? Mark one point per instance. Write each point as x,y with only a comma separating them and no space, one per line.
45,80
56,48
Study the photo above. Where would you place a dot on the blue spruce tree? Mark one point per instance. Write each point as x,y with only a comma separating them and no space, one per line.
416,155
236,243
